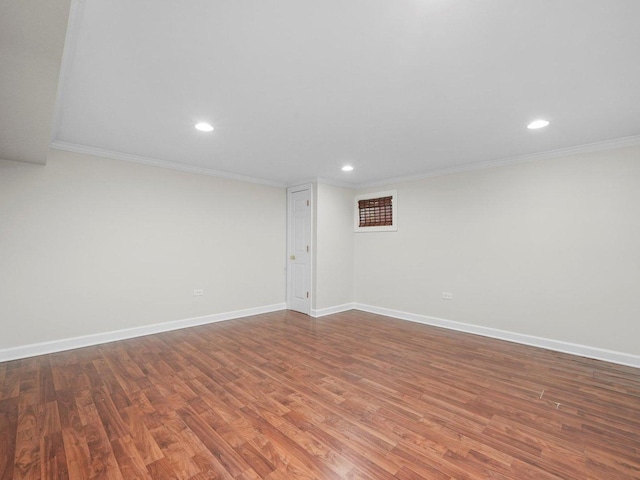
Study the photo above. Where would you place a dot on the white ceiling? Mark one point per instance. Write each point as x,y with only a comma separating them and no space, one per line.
295,89
32,37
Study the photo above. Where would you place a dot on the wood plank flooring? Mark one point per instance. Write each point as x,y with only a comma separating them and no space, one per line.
350,396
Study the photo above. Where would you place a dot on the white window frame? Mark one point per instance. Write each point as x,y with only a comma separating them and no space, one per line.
394,212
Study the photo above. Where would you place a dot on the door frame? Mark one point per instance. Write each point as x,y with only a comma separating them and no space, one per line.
290,190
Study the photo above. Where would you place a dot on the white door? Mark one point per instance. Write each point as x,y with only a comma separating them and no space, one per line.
299,250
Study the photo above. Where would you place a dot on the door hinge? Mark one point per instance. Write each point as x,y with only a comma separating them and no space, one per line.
307,248
307,203
307,294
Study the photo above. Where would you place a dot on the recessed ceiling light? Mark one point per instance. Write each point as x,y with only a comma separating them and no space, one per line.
347,168
204,127
537,124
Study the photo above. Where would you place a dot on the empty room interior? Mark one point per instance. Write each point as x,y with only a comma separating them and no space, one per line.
356,239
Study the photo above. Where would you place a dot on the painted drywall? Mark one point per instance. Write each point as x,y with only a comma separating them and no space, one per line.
32,38
549,248
333,259
91,245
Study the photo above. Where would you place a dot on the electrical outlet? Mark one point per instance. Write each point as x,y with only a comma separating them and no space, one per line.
447,295
198,292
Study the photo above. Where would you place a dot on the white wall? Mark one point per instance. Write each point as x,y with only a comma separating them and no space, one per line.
549,248
333,261
90,245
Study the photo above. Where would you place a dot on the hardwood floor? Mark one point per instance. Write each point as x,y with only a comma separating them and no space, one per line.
350,396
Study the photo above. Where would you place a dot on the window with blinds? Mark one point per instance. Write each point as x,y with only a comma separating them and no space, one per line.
376,212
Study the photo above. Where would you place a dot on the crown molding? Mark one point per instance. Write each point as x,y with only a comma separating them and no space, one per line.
154,162
322,181
560,152
335,183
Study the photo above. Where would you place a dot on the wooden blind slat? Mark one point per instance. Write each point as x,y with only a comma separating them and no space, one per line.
376,212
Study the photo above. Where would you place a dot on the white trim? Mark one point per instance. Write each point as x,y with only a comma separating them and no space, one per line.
323,181
560,152
546,343
322,312
43,348
290,190
154,162
106,337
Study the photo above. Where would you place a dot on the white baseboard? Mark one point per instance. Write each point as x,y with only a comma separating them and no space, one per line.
34,349
321,312
547,343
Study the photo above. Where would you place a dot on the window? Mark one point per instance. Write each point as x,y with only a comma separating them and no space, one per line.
376,212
